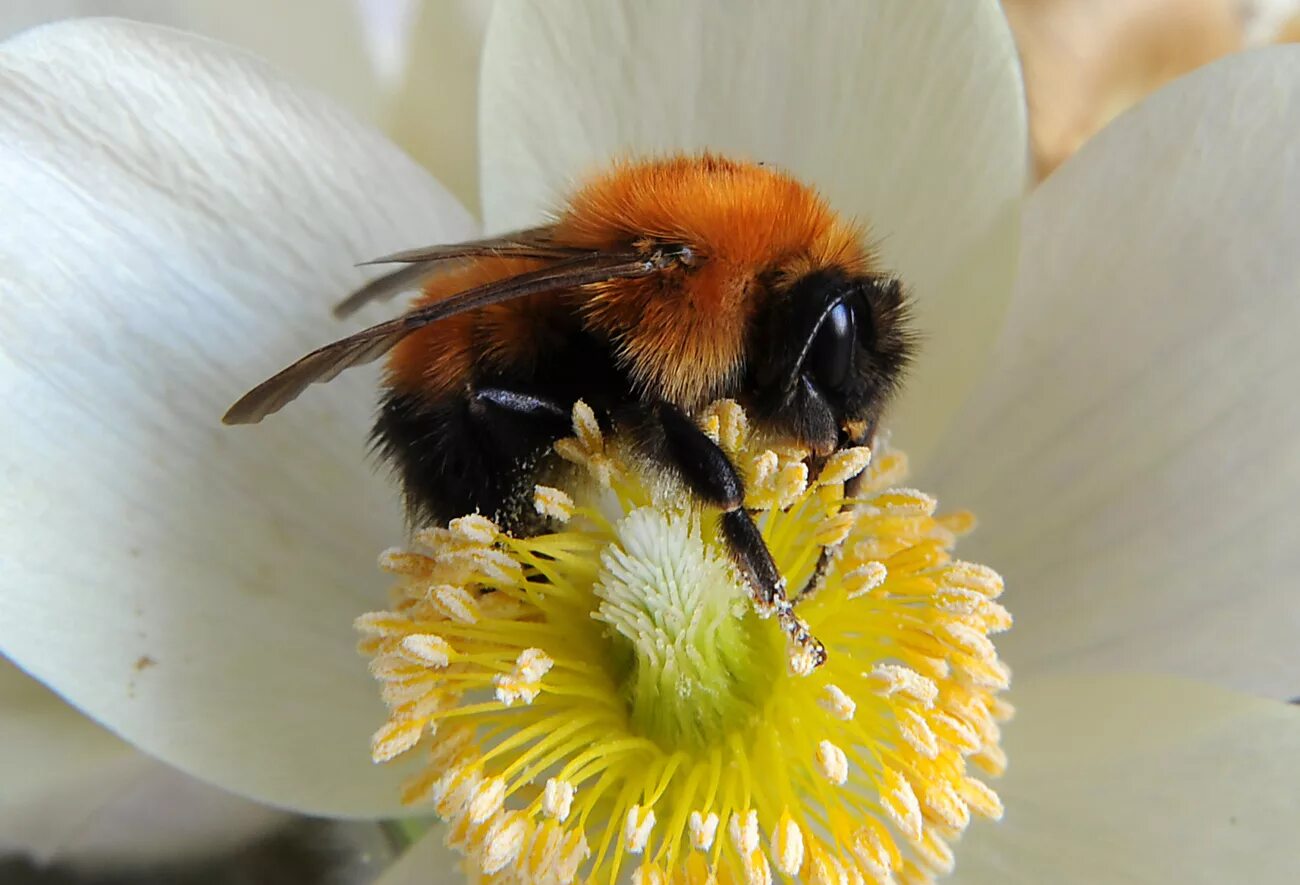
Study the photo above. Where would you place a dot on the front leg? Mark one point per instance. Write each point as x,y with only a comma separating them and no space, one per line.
708,472
863,434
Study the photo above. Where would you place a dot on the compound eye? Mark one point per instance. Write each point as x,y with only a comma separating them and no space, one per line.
831,357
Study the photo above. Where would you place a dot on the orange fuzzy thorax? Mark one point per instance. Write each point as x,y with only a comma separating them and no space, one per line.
681,334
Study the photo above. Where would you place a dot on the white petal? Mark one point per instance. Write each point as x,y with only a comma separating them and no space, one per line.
1264,21
427,862
1141,779
908,115
318,43
1133,454
387,28
47,751
178,222
434,112
73,792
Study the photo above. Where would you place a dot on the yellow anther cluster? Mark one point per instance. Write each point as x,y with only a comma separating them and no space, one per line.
601,702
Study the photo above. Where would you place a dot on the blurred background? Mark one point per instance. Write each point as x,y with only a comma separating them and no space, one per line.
1085,62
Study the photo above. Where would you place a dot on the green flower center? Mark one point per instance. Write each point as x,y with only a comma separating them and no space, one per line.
691,657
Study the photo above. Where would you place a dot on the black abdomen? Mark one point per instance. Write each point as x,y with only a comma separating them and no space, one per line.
480,450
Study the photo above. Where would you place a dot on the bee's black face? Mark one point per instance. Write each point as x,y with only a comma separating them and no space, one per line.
826,355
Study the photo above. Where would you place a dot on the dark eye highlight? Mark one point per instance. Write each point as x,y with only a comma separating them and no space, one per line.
831,358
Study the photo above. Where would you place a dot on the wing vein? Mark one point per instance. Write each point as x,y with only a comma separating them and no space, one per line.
325,363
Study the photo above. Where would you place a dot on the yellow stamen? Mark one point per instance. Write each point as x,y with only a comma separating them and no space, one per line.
597,702
837,703
787,845
704,829
558,799
640,821
553,503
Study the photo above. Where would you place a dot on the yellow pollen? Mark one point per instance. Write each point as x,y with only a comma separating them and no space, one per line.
899,800
704,829
598,702
428,649
833,763
394,739
487,800
503,841
558,799
649,874
917,732
757,869
836,702
455,603
787,845
553,503
844,465
475,529
891,679
640,821
743,830
864,579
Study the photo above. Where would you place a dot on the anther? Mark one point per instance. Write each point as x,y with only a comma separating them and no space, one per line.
532,664
427,649
394,738
553,503
454,603
891,679
503,843
649,874
587,428
918,734
704,829
864,579
832,762
640,821
487,800
900,802
757,870
787,845
980,798
743,829
837,703
475,529
844,465
557,799
382,624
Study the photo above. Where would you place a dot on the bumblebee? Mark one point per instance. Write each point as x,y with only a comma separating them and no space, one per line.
660,287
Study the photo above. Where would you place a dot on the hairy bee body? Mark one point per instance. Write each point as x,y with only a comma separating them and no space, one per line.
701,330
660,287
471,409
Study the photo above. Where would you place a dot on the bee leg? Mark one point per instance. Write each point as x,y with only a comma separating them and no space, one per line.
517,428
709,473
867,438
486,402
469,453
852,486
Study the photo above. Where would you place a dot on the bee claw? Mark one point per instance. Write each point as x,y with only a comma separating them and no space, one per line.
807,652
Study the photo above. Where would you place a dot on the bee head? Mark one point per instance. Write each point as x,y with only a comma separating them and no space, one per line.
827,352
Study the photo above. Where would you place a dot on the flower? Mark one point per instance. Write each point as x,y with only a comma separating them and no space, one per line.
109,788
375,57
351,45
678,731
173,229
